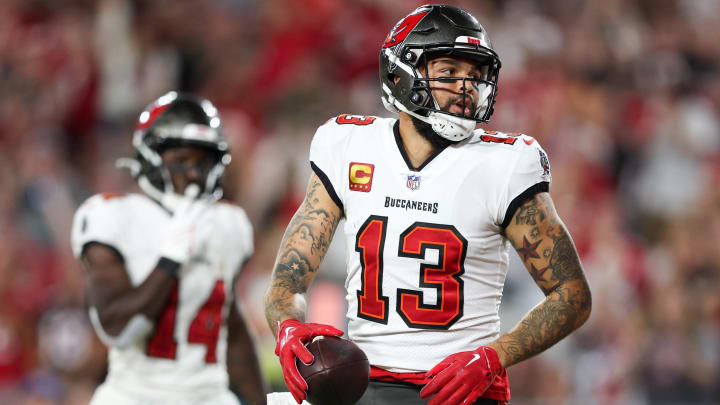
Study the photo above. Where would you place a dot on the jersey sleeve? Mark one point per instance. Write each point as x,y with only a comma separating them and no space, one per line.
229,235
530,175
245,234
96,221
325,155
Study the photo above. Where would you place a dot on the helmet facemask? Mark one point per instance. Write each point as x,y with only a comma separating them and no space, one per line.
451,126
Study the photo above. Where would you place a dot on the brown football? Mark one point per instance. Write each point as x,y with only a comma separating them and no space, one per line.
339,374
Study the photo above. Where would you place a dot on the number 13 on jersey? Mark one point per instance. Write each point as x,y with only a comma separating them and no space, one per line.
443,276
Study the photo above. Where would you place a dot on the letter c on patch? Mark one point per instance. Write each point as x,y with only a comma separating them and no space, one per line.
360,174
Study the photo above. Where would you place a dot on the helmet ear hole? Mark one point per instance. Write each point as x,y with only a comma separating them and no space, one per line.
421,96
393,78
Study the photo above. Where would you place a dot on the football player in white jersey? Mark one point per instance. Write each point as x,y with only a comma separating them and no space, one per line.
432,206
162,266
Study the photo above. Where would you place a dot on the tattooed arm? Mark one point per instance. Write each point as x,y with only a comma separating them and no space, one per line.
548,252
303,247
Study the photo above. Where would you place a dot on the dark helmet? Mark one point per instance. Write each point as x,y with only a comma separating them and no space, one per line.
428,32
175,120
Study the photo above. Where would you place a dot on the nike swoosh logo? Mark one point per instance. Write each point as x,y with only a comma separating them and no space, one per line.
475,357
529,142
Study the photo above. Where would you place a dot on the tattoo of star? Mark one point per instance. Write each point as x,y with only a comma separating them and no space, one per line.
538,274
528,249
535,232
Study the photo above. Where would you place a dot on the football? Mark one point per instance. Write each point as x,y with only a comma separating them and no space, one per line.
339,374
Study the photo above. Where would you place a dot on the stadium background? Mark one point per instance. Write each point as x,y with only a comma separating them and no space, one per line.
624,96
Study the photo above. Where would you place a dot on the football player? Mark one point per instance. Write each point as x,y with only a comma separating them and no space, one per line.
162,268
432,206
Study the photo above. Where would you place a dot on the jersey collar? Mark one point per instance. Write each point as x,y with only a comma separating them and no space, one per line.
401,148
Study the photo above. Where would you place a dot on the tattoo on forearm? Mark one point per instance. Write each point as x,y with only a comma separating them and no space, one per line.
290,273
303,246
281,305
561,313
558,273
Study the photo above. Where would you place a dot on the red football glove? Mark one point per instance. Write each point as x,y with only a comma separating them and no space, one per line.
292,335
462,377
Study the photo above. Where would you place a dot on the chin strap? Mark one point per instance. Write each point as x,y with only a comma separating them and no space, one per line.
450,127
447,126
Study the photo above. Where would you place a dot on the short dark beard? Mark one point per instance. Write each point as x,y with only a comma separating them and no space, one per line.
427,132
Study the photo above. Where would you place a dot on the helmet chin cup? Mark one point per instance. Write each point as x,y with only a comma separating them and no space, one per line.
451,127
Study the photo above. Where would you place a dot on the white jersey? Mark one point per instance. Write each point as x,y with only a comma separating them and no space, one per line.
426,258
185,353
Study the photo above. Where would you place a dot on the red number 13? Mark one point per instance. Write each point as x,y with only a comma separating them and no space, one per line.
443,276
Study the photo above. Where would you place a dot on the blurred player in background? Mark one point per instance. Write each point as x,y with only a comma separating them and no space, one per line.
162,268
431,207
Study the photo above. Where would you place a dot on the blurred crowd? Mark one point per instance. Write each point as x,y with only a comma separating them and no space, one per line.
623,95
